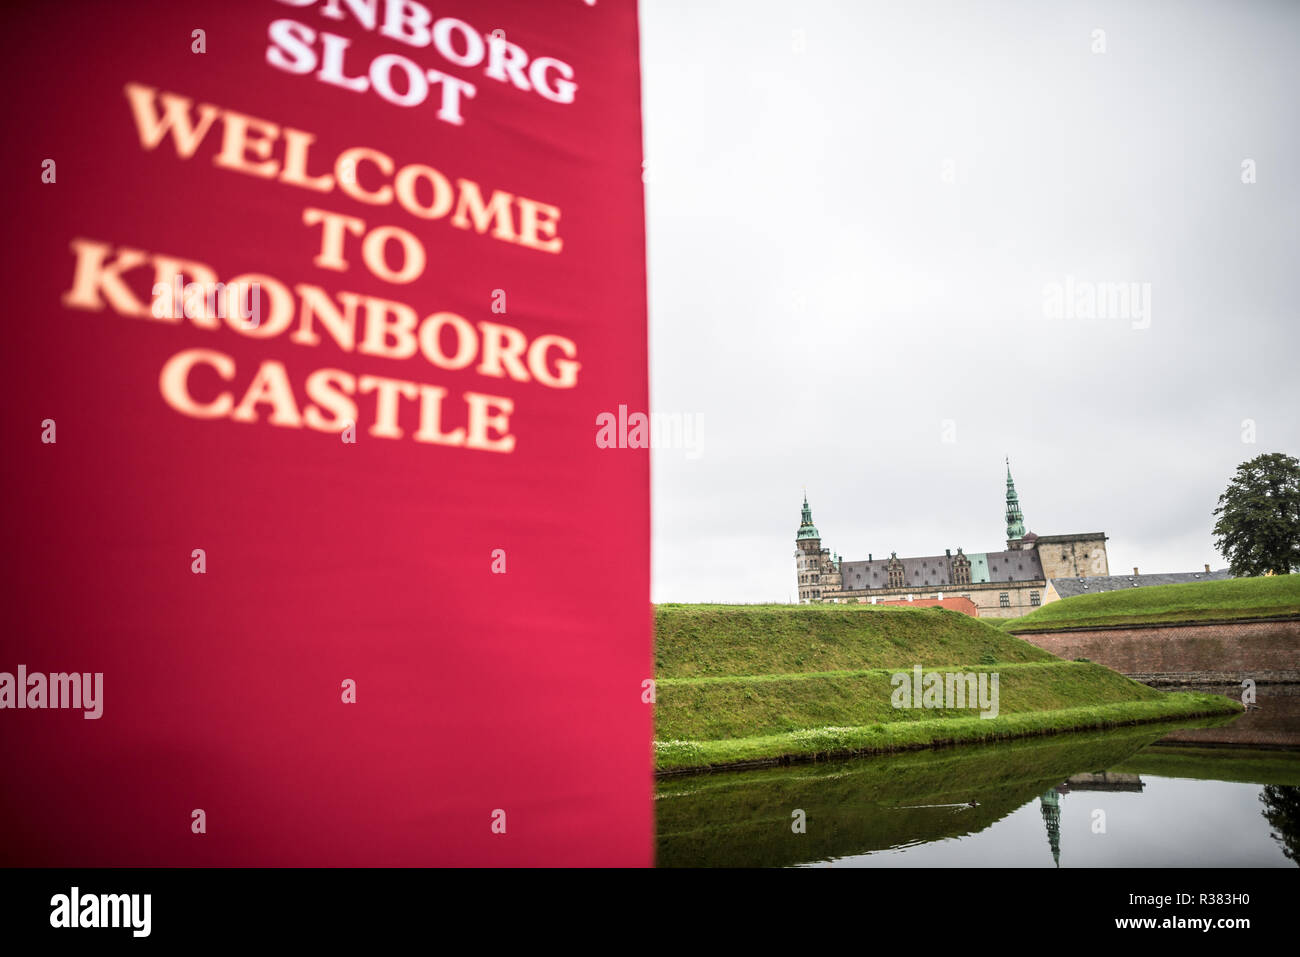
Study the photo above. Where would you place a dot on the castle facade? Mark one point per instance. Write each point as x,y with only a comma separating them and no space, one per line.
1002,584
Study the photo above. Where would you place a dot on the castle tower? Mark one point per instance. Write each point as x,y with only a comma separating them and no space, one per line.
1015,522
808,545
807,530
809,556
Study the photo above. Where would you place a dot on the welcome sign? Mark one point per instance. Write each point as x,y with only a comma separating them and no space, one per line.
316,308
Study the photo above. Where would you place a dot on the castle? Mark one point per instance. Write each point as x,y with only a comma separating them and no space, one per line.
1003,584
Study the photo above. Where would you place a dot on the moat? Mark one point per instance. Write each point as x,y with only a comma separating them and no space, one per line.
1127,798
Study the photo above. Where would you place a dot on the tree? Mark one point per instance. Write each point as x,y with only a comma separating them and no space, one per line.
1282,804
1258,530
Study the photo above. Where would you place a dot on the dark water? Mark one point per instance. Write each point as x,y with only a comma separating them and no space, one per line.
1107,799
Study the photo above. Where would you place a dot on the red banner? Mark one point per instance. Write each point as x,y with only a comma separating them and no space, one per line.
312,556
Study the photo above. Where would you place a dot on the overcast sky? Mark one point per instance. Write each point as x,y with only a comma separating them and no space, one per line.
853,211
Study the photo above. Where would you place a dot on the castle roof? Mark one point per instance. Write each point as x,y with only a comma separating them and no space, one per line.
1018,565
807,529
928,571
1069,587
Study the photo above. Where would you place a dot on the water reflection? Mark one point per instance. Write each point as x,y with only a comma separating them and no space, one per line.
1282,811
1106,799
1051,808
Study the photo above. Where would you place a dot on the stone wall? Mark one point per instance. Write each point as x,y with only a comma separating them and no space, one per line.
988,597
1261,649
1063,556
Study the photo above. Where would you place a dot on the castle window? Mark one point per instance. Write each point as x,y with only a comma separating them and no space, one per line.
1034,599
1004,600
961,572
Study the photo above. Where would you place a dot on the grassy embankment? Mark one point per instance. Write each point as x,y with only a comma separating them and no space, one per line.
1274,597
741,685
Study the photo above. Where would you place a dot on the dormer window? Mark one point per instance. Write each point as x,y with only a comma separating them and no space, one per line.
961,569
896,573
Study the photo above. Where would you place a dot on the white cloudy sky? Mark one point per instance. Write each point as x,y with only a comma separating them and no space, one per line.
825,300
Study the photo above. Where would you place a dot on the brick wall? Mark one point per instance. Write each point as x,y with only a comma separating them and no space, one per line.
963,605
984,597
1241,649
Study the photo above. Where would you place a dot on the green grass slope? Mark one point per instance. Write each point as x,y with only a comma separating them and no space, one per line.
742,706
1272,597
701,640
752,684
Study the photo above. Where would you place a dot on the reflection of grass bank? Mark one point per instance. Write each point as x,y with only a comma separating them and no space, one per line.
742,819
1273,597
764,684
820,743
1216,764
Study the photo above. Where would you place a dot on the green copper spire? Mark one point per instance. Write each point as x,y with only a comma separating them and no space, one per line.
1015,523
806,527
